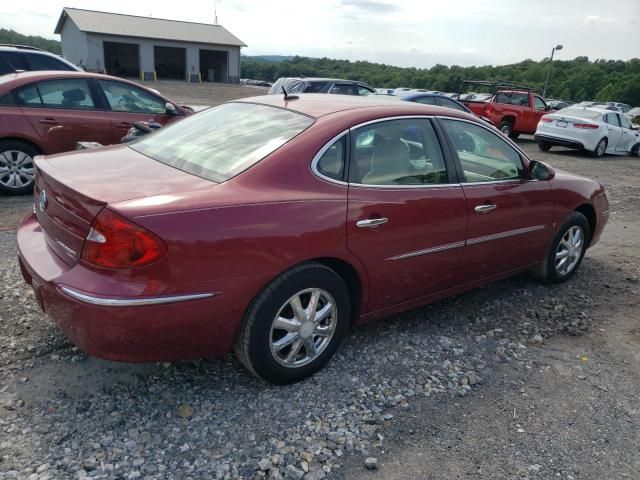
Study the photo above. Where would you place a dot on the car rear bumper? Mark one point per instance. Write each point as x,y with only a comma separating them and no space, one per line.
132,328
561,142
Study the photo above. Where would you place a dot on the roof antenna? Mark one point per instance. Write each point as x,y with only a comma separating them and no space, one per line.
287,96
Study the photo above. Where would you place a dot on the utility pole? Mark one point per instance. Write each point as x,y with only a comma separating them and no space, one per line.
546,81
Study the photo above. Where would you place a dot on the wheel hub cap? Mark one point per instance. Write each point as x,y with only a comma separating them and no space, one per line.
307,329
569,250
16,169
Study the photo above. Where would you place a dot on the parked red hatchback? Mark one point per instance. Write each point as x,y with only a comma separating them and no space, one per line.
47,112
269,225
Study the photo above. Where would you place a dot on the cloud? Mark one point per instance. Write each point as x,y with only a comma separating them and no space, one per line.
596,20
371,6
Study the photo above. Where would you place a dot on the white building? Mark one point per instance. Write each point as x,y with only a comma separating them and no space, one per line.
149,48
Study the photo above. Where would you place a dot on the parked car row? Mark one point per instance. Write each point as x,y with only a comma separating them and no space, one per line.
47,112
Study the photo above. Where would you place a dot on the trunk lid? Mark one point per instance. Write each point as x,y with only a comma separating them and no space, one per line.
72,188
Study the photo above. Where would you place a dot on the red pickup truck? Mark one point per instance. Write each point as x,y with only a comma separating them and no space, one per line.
513,111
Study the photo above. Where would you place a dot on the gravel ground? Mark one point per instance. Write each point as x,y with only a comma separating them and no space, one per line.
515,380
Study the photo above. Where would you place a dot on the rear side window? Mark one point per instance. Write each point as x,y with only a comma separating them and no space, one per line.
221,142
484,155
332,162
70,94
315,87
29,97
344,89
5,67
45,62
426,100
397,152
612,119
7,100
16,59
445,102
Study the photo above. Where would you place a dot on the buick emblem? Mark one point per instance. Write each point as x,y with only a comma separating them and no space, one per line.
43,201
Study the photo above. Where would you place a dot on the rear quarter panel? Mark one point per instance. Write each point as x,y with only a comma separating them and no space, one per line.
14,124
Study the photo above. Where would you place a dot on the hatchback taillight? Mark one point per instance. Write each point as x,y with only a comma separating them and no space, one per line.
589,126
115,242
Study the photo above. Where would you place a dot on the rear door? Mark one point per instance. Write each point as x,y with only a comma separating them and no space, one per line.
63,112
614,135
406,218
509,215
128,104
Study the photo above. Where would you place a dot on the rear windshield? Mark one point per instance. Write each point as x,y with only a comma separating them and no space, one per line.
580,113
223,141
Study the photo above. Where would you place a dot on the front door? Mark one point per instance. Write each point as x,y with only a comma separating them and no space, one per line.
509,215
406,221
614,135
63,112
130,104
629,135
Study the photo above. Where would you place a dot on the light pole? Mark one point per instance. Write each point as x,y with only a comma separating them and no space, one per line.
546,80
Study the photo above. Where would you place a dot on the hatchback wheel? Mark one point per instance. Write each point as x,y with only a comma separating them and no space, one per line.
600,148
295,325
17,170
544,146
567,250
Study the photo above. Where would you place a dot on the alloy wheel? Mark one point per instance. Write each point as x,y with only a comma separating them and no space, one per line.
602,146
16,169
303,327
569,250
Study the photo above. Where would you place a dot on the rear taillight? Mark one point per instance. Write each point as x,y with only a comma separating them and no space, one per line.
585,125
546,120
115,242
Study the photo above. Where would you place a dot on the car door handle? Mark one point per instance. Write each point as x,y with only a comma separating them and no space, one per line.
371,222
485,208
48,121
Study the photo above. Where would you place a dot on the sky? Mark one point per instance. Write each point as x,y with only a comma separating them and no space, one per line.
407,33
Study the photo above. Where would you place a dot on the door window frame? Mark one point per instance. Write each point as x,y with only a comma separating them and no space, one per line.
97,101
524,159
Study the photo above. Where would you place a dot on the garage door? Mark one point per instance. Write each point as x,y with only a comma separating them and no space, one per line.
122,59
170,62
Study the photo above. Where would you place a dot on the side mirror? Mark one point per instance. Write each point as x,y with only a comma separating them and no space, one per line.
541,171
170,108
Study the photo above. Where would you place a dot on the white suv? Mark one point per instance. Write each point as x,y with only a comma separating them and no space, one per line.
18,57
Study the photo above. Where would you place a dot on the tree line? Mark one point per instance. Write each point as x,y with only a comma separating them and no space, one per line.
577,80
15,38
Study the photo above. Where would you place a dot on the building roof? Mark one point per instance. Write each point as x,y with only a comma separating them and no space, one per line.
92,21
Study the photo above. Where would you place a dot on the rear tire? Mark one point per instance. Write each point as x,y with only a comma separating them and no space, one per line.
544,146
17,170
601,147
635,150
277,342
566,251
513,135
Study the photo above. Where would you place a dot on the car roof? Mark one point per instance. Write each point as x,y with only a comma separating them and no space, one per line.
319,105
13,80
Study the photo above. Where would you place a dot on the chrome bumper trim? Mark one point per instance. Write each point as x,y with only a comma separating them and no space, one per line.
131,302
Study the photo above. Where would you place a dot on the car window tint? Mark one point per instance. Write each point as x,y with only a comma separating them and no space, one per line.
223,141
539,103
16,59
315,87
45,62
29,96
397,152
72,94
612,119
425,100
445,102
626,123
123,97
331,164
363,91
484,155
7,100
343,89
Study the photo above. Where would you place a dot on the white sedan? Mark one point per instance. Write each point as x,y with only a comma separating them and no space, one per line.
595,130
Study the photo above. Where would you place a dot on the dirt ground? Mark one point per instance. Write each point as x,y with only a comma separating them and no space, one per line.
566,407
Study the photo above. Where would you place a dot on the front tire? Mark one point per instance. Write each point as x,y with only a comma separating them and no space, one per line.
295,325
566,251
506,128
601,147
17,170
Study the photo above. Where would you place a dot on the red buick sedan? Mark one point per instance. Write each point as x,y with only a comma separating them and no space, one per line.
44,112
269,225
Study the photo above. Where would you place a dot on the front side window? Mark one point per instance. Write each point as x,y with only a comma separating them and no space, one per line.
364,91
45,62
221,142
123,97
426,100
343,89
484,155
72,94
445,102
626,123
539,103
332,162
397,152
